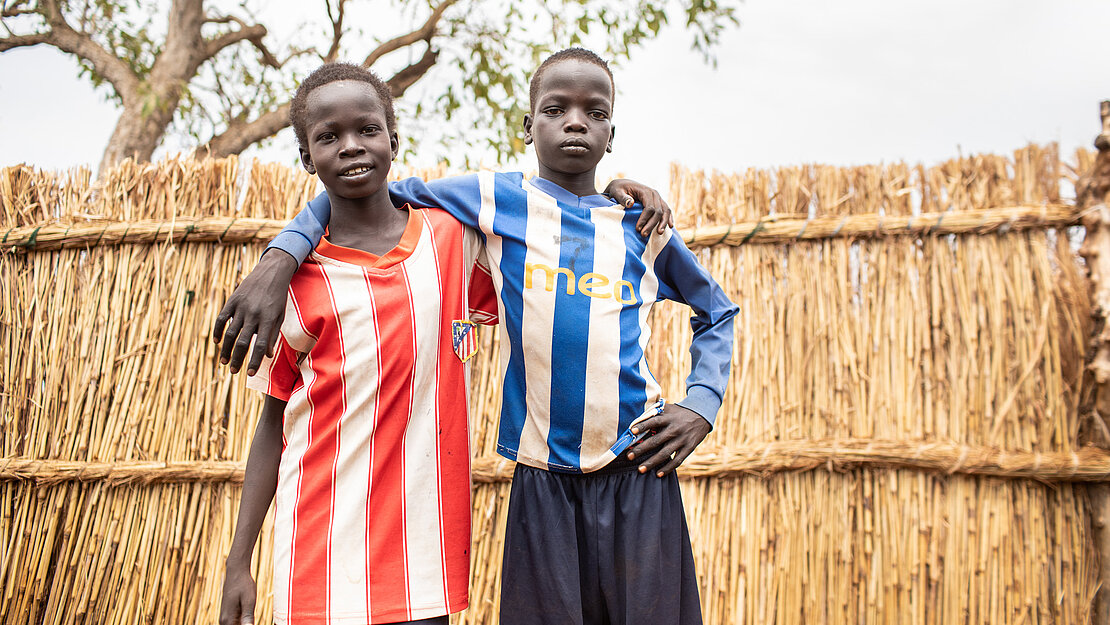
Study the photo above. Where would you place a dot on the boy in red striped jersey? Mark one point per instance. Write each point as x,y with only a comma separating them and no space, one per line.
363,436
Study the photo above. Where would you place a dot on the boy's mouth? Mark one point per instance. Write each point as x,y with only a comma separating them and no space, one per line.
574,146
355,171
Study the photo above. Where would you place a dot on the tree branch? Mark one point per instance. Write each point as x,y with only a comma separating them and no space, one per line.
62,36
21,41
14,11
405,78
336,20
246,32
242,134
424,33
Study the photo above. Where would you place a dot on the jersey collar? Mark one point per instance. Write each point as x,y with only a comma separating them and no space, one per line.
566,197
404,248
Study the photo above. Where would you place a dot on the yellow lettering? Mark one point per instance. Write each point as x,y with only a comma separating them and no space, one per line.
618,292
549,282
590,284
591,281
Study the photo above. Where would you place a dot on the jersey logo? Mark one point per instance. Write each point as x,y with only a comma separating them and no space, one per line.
591,284
462,338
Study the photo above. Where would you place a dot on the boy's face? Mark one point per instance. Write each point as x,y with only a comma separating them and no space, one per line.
349,144
570,122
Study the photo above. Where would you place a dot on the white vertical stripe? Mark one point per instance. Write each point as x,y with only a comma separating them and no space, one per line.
295,435
603,351
494,252
538,320
649,291
284,498
422,504
347,567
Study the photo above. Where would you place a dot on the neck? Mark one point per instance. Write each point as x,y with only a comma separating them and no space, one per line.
579,184
371,224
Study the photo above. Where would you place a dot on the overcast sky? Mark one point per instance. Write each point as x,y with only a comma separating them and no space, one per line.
846,82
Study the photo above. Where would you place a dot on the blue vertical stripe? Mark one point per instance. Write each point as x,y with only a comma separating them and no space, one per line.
570,338
510,223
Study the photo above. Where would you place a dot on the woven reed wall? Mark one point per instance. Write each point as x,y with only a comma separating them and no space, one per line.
901,440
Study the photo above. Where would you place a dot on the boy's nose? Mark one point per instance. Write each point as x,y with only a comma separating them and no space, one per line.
574,122
350,147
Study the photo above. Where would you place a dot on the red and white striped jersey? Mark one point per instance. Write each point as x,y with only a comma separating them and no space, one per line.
372,511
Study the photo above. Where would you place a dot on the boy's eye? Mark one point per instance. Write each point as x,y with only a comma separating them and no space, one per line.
599,115
325,136
552,110
369,130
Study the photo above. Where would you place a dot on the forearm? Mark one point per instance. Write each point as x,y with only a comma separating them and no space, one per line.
711,363
259,482
712,324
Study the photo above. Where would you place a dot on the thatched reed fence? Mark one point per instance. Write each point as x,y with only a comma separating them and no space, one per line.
905,438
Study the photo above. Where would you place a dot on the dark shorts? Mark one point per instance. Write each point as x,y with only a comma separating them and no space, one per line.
604,548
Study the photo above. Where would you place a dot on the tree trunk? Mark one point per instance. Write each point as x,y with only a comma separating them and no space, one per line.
134,136
149,107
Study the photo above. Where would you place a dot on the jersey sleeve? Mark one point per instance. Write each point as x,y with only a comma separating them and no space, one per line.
683,279
460,196
300,236
481,294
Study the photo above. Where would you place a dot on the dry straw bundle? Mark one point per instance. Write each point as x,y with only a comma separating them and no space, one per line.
901,440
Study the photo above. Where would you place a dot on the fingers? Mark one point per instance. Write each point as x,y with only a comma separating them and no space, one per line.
647,425
624,199
263,346
657,459
675,433
221,321
668,218
680,455
657,215
228,342
651,223
645,446
242,344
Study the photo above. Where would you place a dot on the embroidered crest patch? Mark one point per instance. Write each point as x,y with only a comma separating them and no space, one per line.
463,338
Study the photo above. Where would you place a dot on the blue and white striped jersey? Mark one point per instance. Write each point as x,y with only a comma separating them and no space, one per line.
575,283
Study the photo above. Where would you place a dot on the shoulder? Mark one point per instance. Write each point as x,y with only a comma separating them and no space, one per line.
438,219
511,177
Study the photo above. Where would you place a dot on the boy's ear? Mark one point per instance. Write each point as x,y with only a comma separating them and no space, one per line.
394,144
306,161
527,129
612,133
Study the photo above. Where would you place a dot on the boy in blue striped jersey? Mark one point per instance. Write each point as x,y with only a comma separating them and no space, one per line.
596,530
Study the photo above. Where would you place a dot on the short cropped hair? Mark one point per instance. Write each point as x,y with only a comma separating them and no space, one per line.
569,54
336,72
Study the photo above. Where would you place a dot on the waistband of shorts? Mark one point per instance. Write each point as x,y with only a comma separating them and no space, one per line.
620,464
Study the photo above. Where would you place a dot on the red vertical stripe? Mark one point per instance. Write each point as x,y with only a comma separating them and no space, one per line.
310,571
393,323
454,462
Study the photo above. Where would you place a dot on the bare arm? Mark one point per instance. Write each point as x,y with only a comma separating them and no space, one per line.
256,306
259,485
